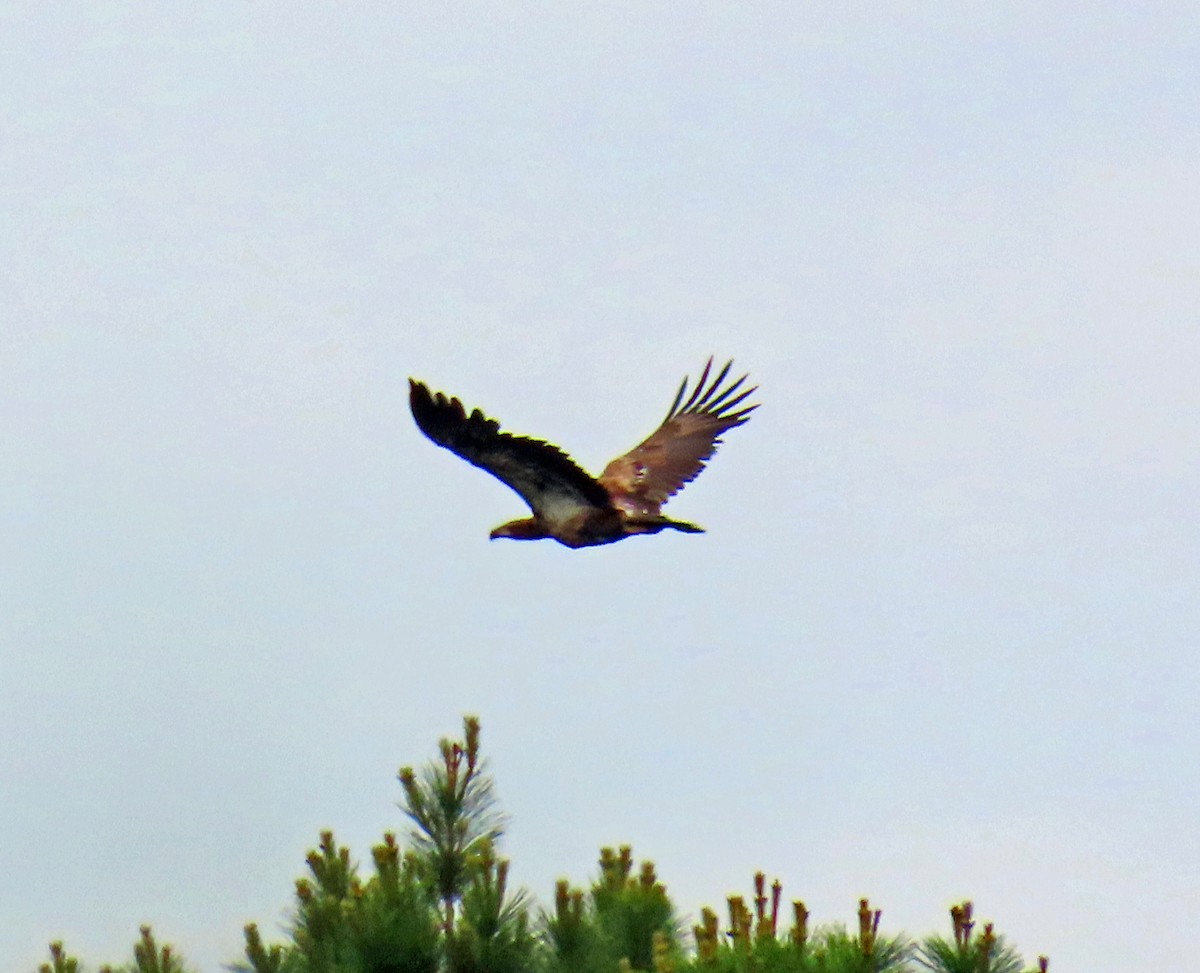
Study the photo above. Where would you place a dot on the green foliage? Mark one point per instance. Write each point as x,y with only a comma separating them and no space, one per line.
754,943
985,954
493,935
571,934
389,924
445,906
631,912
149,957
395,920
60,961
836,951
622,920
455,816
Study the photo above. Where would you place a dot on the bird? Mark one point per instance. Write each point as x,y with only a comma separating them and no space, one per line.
568,504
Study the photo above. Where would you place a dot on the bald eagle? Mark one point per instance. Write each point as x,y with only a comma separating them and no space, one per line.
570,506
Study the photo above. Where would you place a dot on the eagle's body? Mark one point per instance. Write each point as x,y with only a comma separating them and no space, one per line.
570,506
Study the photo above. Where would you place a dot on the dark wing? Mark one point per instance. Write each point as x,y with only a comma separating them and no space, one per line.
546,478
649,474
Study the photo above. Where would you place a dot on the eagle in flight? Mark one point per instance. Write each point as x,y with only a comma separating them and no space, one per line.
569,505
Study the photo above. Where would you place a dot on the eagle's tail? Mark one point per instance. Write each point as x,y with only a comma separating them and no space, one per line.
652,525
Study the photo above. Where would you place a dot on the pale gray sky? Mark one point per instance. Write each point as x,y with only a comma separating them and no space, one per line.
940,640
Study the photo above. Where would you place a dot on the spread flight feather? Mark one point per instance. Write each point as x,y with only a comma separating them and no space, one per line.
568,504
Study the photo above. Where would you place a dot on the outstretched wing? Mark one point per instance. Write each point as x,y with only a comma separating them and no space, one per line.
546,478
649,474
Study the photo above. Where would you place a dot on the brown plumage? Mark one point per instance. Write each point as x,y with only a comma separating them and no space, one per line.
569,505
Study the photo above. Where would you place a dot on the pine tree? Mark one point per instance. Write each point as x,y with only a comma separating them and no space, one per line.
455,817
445,905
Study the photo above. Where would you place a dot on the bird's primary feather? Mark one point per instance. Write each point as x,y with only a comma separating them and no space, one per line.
546,478
674,454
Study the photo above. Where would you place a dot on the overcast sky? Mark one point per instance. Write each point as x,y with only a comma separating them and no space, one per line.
940,640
